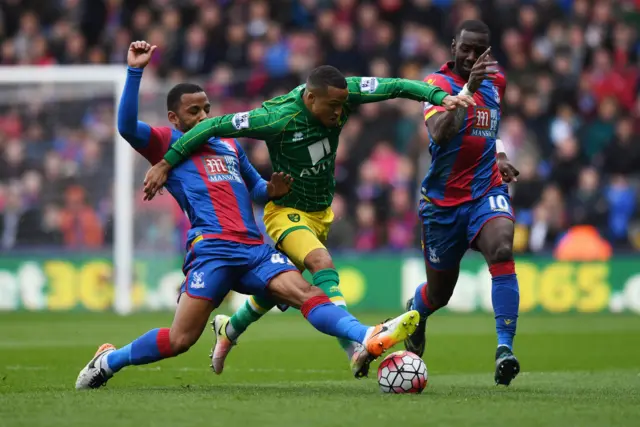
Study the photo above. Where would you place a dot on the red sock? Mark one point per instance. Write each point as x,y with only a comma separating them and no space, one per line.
312,303
164,343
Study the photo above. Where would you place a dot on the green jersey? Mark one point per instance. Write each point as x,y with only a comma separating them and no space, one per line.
298,143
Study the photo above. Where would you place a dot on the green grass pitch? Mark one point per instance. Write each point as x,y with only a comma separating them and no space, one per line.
578,370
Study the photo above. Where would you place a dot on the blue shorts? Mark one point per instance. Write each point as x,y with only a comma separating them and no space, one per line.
447,232
213,267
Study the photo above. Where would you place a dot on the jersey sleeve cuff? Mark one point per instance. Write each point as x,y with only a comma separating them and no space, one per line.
135,71
173,157
260,194
439,96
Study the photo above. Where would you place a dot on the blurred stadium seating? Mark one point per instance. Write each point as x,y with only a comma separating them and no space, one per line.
571,124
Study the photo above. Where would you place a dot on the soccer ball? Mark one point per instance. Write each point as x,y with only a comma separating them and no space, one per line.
402,372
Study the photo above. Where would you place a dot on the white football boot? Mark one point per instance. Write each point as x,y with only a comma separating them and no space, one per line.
223,344
96,373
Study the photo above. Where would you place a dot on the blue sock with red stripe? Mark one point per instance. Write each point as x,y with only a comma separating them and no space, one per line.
332,320
149,348
505,297
421,302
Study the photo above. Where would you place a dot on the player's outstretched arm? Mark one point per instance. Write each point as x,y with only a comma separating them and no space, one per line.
262,191
259,124
363,90
136,133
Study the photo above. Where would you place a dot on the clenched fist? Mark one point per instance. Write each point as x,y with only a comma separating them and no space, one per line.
139,54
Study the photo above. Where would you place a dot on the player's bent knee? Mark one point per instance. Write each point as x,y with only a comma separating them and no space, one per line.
440,299
503,252
439,302
441,286
318,259
290,288
181,341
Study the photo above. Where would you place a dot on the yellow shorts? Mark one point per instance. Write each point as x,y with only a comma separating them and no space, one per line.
281,223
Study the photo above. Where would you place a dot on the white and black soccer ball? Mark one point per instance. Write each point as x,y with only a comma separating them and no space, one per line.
402,372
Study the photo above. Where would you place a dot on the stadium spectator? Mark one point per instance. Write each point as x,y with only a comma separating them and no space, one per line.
528,191
402,220
343,234
368,228
621,198
571,116
17,220
79,222
588,204
623,153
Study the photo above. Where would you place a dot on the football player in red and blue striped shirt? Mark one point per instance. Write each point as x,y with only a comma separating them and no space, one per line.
225,249
465,201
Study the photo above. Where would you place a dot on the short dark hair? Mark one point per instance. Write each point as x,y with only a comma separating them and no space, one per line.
473,26
326,76
176,92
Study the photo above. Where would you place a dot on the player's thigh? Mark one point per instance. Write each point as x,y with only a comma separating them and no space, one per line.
443,246
311,241
189,321
444,241
209,279
321,222
491,227
305,249
295,232
292,289
264,264
207,282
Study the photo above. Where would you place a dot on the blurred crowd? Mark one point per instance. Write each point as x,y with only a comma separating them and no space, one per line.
571,119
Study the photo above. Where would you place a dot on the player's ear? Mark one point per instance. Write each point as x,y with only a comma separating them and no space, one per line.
311,96
173,118
453,47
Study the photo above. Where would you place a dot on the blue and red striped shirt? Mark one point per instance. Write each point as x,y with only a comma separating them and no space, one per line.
465,168
214,187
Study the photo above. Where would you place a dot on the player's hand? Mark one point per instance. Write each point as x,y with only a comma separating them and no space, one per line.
155,179
483,69
139,54
279,186
508,172
459,101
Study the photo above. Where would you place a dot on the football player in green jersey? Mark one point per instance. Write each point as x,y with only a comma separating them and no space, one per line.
301,130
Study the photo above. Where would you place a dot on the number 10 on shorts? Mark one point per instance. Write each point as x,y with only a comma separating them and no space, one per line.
499,203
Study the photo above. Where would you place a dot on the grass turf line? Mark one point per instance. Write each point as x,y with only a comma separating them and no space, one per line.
577,370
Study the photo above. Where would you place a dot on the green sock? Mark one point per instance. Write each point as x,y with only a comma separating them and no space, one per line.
329,281
251,311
